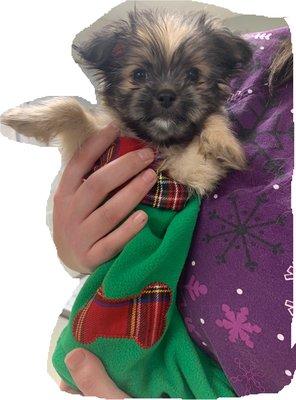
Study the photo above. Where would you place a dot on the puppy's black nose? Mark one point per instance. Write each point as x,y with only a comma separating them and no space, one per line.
166,98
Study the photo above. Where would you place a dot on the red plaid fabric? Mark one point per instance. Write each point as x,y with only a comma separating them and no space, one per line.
141,318
166,193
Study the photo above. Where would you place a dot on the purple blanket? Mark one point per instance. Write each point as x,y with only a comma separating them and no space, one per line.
237,288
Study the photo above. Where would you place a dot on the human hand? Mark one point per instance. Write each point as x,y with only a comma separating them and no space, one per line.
90,376
86,232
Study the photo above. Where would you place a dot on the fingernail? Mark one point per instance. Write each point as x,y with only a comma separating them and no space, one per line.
149,176
140,217
74,359
146,155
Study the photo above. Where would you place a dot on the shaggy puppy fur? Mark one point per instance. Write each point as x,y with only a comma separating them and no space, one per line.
163,78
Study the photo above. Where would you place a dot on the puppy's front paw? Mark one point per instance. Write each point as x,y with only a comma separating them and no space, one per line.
229,152
219,142
18,119
30,120
45,118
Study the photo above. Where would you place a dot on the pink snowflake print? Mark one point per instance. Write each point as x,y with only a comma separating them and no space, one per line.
195,289
249,377
237,325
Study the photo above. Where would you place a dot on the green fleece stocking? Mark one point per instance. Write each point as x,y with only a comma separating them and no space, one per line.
126,314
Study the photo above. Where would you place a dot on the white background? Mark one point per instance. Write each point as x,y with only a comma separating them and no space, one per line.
35,61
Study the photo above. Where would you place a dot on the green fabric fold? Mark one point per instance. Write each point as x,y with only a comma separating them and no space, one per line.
172,366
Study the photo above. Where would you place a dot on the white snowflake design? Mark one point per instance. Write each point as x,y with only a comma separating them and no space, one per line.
263,36
289,305
289,274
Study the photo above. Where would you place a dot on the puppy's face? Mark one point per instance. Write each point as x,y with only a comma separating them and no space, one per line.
163,74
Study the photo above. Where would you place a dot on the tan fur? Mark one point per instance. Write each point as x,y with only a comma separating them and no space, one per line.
64,117
173,33
218,142
190,167
170,31
200,165
203,163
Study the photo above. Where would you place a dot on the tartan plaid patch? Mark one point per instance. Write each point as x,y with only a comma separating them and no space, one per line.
141,318
166,193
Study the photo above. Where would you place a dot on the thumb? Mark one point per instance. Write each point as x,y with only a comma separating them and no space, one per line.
90,375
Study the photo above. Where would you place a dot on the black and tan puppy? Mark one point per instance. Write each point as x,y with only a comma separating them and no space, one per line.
163,78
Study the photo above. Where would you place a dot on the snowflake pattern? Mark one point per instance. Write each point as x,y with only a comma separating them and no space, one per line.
237,325
246,226
274,165
289,274
195,289
243,231
289,305
263,35
249,376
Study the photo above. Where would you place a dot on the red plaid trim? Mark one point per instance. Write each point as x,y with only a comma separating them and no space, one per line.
166,193
141,318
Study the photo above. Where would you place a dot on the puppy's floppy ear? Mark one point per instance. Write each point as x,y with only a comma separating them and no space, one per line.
234,52
105,48
228,52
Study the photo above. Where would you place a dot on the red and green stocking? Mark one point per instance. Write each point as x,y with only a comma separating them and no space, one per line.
126,312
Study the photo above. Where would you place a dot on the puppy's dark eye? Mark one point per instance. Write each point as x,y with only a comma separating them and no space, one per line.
193,74
140,75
